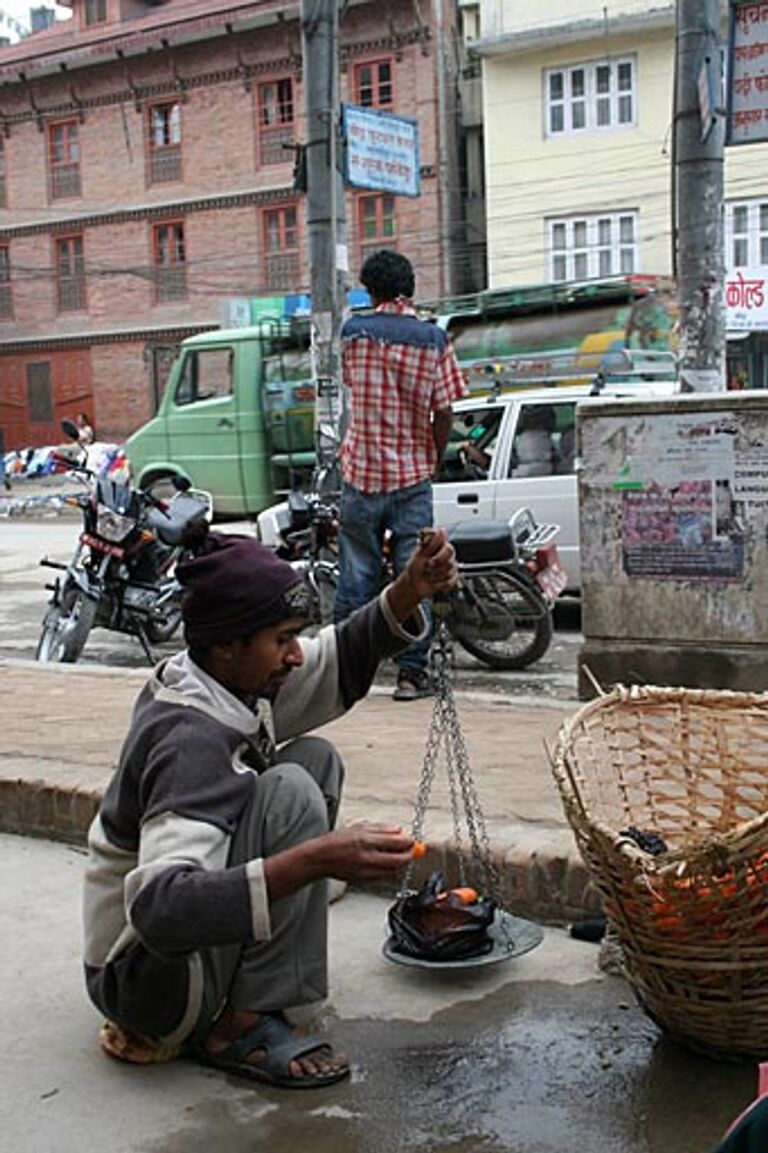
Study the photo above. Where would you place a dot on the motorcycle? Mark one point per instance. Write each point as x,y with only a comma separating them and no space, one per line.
510,577
121,574
309,541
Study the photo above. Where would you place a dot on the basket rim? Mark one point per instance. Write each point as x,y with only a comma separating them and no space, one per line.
710,847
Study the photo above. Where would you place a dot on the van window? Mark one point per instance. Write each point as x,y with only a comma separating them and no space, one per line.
544,443
205,375
478,429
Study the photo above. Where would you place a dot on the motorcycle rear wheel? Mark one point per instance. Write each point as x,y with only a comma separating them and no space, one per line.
513,608
66,627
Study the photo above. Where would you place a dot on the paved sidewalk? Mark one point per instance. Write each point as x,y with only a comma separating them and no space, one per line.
63,726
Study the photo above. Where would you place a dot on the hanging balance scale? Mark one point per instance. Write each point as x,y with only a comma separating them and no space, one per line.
465,927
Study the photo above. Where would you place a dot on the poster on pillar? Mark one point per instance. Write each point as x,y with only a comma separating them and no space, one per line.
747,100
682,511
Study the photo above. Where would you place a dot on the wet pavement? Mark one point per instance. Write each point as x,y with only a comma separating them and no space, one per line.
541,1054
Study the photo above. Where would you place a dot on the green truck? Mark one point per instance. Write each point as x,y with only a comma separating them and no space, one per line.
236,418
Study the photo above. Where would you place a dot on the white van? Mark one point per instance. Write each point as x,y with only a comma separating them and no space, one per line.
522,452
514,450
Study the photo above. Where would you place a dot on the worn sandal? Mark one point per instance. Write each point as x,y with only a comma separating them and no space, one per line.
134,1048
276,1039
412,687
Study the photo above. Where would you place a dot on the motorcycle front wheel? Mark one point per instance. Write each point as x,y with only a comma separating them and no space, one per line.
324,580
66,627
502,620
162,628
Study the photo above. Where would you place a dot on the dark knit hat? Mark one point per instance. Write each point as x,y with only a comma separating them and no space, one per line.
234,586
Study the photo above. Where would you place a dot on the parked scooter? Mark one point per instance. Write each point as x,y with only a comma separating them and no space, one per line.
510,577
121,575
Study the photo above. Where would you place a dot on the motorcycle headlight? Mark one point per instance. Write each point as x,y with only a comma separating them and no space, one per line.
111,525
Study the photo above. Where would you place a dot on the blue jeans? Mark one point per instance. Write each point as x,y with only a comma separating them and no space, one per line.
365,517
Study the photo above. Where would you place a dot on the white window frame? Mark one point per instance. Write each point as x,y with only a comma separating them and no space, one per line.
746,233
594,246
584,103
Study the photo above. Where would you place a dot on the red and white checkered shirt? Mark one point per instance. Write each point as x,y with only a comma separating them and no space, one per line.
398,371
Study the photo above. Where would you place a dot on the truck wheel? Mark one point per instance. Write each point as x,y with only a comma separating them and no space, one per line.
66,627
503,621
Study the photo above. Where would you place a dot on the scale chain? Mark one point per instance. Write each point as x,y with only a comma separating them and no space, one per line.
445,730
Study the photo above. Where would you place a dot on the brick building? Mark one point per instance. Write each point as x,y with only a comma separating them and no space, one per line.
146,175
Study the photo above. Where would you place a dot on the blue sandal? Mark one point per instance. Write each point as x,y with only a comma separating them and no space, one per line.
273,1036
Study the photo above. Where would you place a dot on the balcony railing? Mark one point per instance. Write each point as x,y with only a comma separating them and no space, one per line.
71,293
65,181
275,145
282,270
171,284
165,164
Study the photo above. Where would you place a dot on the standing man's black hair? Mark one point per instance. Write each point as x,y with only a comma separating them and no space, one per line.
388,275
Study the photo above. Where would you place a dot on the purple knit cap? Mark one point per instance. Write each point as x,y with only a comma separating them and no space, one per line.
234,586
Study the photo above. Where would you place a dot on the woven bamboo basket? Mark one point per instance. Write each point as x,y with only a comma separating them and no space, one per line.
690,766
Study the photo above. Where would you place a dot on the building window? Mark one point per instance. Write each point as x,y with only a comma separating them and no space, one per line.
373,84
95,12
585,247
281,248
70,273
590,97
164,130
746,233
376,224
3,196
63,159
170,261
39,392
6,303
275,116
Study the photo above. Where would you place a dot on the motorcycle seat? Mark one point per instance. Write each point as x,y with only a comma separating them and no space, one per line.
168,526
482,542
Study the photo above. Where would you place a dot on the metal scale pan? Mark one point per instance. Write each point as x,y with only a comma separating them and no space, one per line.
512,937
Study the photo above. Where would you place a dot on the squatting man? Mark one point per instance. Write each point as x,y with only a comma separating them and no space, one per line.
206,888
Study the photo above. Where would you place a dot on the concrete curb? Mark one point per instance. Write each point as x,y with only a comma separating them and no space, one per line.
55,793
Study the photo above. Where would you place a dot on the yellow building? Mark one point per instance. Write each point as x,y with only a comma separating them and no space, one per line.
577,113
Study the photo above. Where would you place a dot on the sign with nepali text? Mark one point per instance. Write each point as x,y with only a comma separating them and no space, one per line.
746,300
748,73
382,151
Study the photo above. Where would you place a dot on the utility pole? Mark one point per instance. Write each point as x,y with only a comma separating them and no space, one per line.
325,216
699,137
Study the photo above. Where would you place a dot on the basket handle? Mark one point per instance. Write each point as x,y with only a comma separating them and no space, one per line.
593,681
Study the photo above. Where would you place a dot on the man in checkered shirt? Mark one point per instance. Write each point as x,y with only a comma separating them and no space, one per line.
401,376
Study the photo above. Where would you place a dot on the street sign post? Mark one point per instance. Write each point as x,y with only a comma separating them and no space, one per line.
747,109
381,151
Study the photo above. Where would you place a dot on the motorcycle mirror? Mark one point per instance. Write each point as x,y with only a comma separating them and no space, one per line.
70,429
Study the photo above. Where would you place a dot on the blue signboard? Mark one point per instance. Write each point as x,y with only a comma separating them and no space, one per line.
381,151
